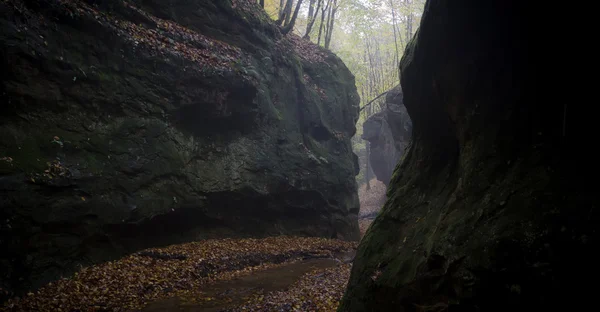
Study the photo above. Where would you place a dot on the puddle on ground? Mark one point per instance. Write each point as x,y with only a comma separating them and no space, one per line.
232,293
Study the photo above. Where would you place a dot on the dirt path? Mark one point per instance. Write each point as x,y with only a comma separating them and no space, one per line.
282,273
230,294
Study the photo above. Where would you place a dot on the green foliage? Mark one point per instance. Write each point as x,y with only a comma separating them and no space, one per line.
367,43
370,36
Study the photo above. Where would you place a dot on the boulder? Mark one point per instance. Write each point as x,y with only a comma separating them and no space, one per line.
388,133
128,125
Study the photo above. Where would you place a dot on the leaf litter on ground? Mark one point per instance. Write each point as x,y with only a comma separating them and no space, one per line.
318,291
173,271
150,34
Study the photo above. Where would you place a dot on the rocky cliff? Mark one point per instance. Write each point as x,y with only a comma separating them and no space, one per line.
128,124
388,132
493,206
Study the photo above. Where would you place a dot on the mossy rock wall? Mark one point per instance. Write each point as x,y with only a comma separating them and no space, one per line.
129,125
493,206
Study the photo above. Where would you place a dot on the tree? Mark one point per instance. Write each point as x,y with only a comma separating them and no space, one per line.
281,3
330,22
409,19
311,8
323,10
394,28
312,17
290,24
284,17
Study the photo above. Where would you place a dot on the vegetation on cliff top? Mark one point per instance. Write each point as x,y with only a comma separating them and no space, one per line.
154,35
369,36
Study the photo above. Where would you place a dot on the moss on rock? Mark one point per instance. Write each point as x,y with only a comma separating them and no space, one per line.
488,210
174,123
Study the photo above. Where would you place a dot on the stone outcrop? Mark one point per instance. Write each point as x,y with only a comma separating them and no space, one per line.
142,123
493,207
388,133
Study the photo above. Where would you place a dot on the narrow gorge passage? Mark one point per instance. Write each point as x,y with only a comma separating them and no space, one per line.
190,155
292,156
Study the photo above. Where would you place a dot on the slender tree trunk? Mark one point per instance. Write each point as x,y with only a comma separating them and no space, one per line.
312,20
284,12
368,146
262,4
281,7
288,11
290,25
323,10
409,19
382,74
326,26
371,75
402,45
394,27
331,20
311,8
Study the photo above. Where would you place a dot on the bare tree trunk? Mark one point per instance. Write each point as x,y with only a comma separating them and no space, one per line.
326,26
312,19
323,10
368,146
394,27
311,8
281,7
284,14
288,11
331,20
409,19
262,3
290,25
371,74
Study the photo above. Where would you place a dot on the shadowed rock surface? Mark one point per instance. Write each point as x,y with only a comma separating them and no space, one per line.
493,207
130,125
388,132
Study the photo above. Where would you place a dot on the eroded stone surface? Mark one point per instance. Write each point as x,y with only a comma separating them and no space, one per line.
130,125
492,208
389,133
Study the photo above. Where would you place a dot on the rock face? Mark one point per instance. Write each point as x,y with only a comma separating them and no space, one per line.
492,208
135,124
388,132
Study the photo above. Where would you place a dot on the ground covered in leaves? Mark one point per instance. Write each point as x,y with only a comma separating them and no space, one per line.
318,291
142,31
180,270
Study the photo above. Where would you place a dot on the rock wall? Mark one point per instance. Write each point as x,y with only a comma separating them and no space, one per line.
493,207
388,132
133,124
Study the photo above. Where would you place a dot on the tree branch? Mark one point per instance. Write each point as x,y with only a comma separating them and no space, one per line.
373,100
